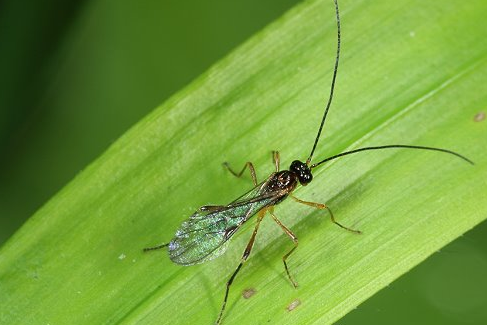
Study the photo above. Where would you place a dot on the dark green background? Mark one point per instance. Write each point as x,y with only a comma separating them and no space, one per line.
74,75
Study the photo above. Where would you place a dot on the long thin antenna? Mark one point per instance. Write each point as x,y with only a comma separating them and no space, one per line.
332,88
389,147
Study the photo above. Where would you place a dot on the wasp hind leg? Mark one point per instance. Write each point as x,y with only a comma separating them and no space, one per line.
155,247
245,255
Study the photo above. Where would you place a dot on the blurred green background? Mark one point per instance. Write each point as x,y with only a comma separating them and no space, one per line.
76,75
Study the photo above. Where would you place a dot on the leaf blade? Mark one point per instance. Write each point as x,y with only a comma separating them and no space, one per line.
91,234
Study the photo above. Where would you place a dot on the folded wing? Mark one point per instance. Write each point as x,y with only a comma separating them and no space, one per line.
205,234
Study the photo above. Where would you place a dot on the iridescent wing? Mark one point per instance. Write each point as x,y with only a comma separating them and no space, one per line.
205,234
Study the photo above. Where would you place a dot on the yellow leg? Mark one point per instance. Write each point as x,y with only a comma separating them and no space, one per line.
247,164
322,206
294,239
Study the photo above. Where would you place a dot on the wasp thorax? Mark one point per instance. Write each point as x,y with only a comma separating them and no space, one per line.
284,180
302,171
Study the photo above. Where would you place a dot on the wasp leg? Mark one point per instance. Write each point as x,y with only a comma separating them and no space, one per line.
247,164
295,240
322,206
245,255
277,159
155,247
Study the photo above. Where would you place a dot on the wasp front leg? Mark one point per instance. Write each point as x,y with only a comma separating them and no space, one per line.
247,164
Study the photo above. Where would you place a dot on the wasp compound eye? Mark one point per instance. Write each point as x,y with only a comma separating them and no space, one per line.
302,171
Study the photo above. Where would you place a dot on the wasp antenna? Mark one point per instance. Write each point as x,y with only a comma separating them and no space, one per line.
393,146
332,87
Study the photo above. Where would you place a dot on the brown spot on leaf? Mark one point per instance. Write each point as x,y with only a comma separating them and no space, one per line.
293,305
248,293
479,117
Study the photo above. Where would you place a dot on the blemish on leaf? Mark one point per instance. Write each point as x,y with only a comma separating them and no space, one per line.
293,305
122,256
248,293
479,117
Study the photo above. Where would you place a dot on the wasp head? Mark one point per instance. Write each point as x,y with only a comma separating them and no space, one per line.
302,171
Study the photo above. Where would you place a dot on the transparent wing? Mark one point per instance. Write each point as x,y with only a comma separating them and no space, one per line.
204,235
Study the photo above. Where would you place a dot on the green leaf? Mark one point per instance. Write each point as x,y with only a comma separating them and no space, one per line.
411,73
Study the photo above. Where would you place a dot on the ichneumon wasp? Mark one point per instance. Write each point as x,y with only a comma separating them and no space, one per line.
205,235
